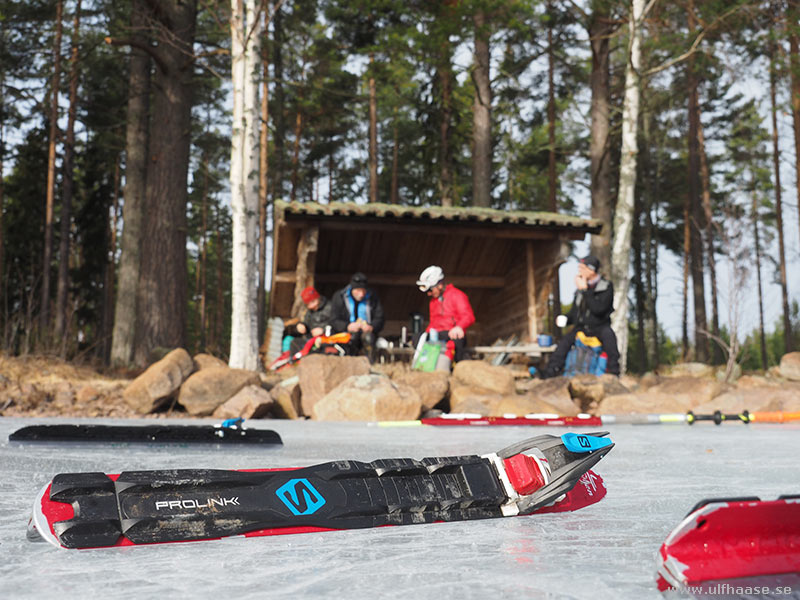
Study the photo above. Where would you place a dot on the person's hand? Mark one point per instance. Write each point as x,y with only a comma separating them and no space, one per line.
456,333
580,282
317,331
365,326
354,326
301,329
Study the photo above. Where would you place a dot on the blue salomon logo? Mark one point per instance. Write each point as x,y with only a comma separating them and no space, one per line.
300,497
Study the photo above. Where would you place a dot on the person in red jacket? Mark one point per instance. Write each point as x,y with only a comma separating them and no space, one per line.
450,310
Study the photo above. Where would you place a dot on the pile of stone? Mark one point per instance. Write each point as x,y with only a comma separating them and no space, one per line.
333,388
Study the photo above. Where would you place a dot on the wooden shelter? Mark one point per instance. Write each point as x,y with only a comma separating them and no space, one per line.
503,260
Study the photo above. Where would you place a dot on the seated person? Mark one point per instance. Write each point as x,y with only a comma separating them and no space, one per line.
591,313
358,310
317,316
450,310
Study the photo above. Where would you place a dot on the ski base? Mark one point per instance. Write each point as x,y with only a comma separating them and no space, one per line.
145,434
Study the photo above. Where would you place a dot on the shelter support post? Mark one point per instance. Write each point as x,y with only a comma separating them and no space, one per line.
306,265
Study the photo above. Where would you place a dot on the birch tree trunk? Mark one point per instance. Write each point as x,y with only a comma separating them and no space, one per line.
263,188
624,214
246,62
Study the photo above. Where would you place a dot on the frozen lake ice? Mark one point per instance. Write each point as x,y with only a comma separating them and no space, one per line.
654,475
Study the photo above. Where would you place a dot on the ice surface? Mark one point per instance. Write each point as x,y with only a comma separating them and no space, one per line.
655,474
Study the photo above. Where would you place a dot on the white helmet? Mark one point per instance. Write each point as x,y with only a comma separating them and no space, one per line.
430,277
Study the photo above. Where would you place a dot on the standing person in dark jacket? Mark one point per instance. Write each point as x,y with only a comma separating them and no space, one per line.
591,313
450,310
358,310
318,316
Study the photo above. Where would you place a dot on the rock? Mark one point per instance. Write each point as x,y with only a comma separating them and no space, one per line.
319,374
467,400
647,402
555,392
204,391
756,381
701,389
368,398
270,380
649,380
88,393
63,397
588,391
630,383
736,372
204,361
691,369
287,398
431,387
251,402
481,375
524,405
754,399
153,388
790,366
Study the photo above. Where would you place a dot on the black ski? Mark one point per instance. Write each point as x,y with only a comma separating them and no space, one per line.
84,510
145,434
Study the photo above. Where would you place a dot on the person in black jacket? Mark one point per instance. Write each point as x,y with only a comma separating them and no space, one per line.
591,313
358,310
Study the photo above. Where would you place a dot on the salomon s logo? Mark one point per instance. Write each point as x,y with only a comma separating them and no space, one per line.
300,497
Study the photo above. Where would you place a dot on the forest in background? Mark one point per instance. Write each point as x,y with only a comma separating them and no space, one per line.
118,198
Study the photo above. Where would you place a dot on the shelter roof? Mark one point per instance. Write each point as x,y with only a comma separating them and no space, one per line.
432,215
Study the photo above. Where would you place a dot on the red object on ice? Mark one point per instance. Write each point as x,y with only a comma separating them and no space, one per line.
725,539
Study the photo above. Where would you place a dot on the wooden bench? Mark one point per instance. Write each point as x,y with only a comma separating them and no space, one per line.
531,350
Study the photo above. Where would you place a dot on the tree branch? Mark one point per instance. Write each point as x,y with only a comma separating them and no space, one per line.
693,48
140,45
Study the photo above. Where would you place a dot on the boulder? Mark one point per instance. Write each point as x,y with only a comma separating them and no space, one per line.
520,406
721,373
649,380
701,389
87,393
431,387
251,402
481,375
790,366
319,374
468,400
153,388
368,398
287,398
206,390
691,369
555,392
204,361
754,399
647,402
588,391
756,381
